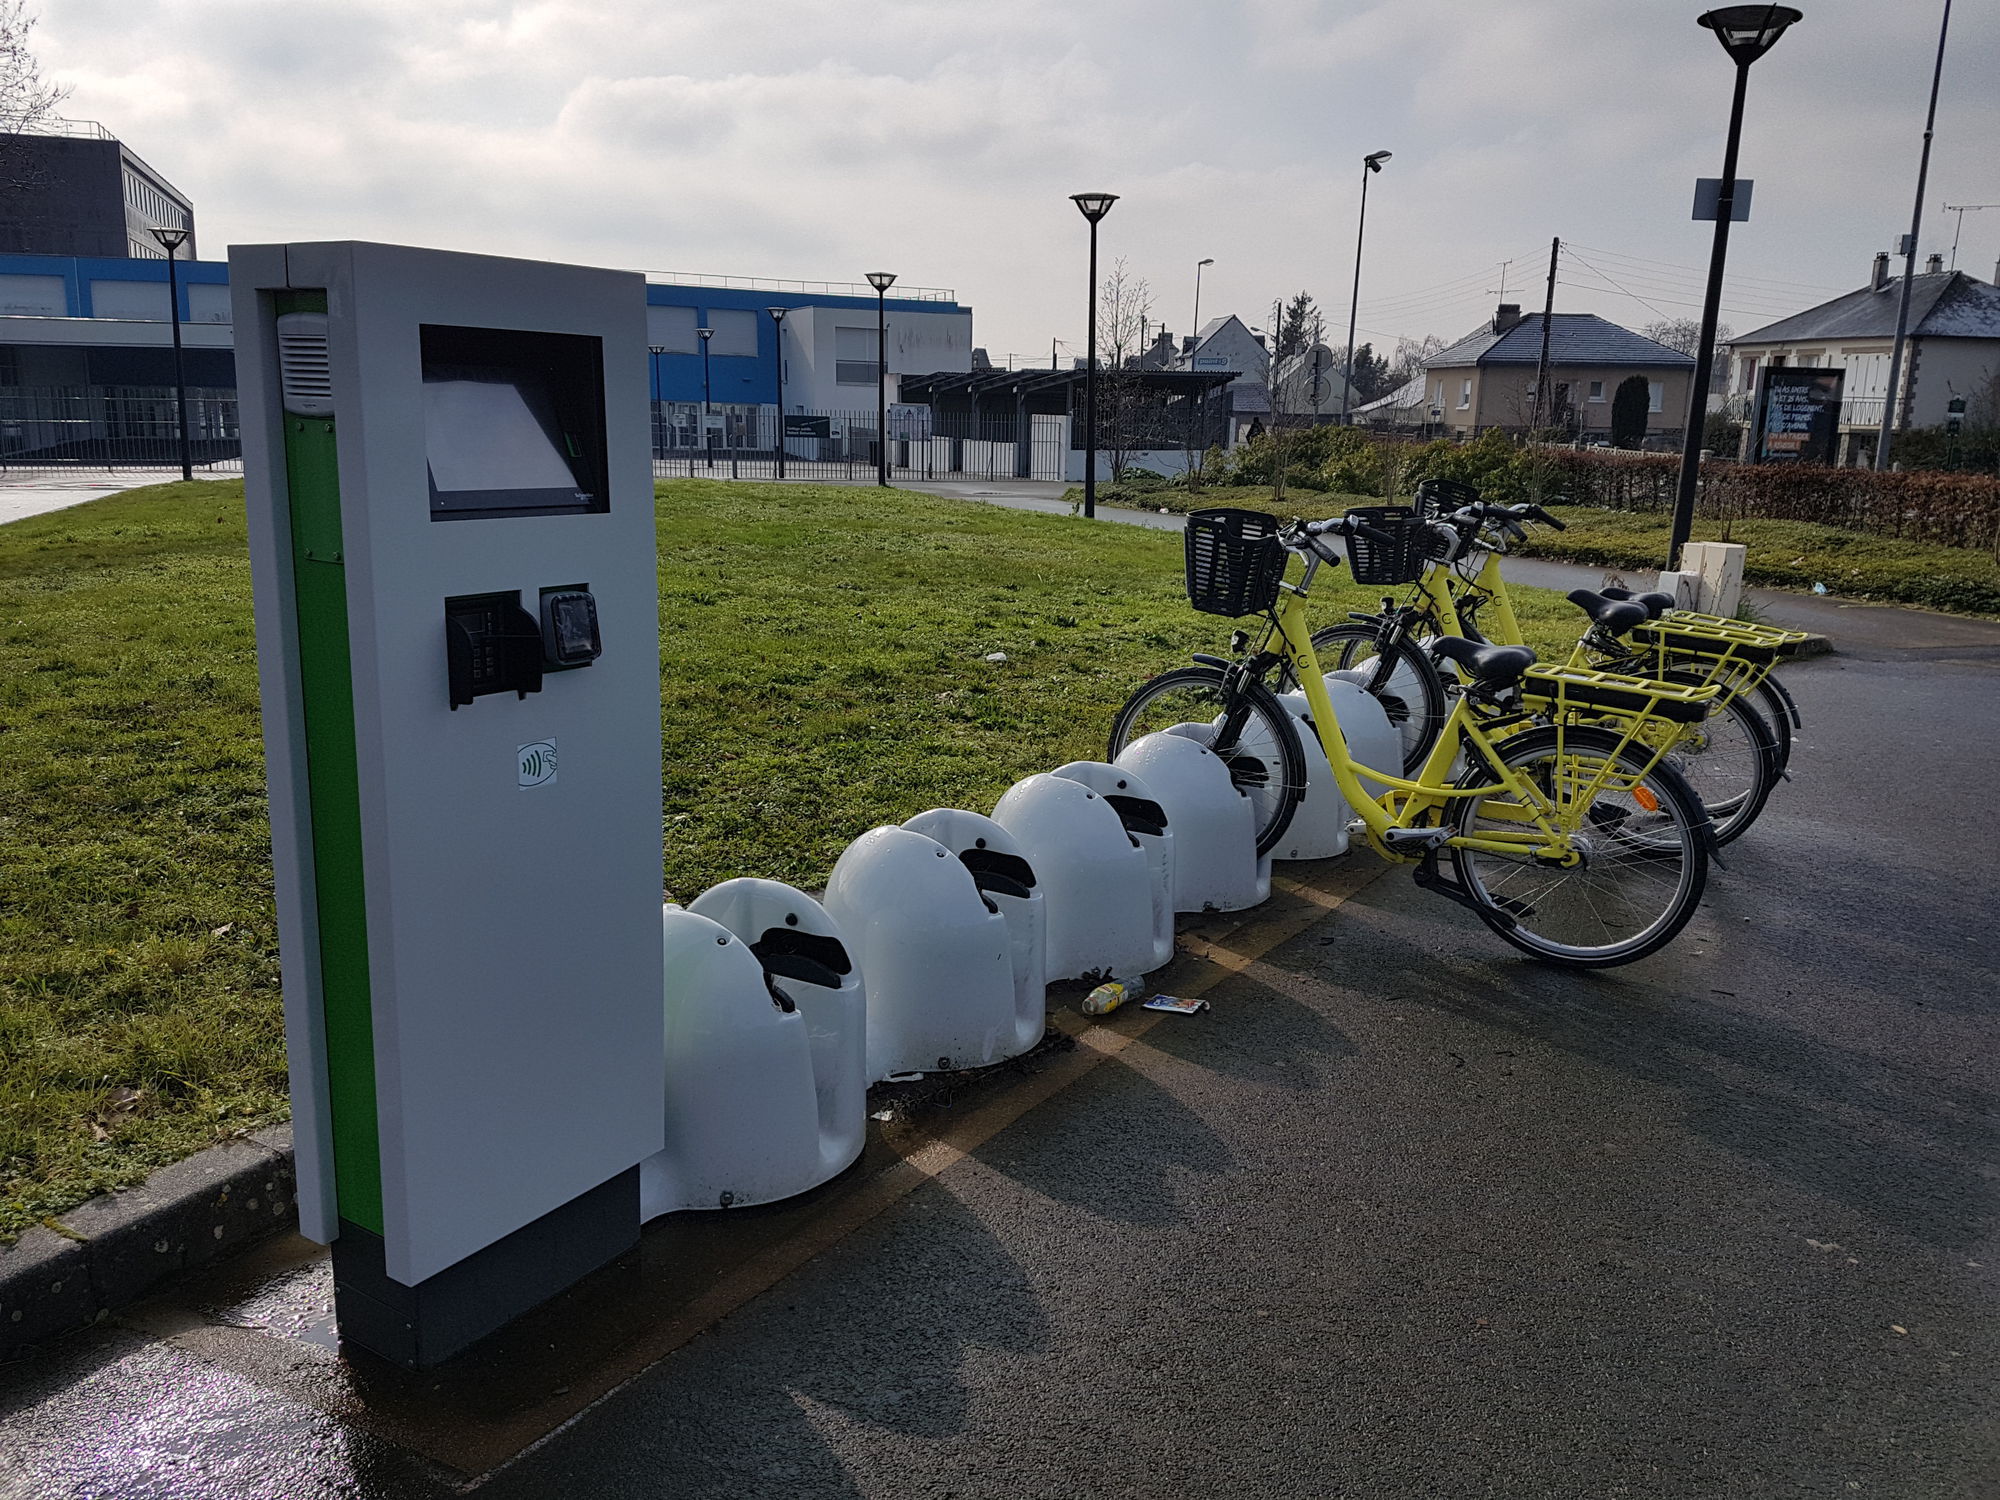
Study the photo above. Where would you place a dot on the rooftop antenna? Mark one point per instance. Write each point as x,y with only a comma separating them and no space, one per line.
1962,209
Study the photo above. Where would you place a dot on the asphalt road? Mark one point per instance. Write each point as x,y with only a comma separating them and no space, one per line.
1403,1215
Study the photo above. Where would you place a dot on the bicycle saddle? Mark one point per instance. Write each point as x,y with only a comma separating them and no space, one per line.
1612,616
1656,604
1490,666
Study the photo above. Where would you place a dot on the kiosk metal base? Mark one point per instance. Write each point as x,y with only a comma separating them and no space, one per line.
423,1325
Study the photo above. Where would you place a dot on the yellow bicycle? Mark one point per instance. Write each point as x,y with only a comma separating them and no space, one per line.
1579,844
1450,551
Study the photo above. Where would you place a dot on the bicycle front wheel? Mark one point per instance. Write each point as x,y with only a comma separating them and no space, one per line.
1402,679
1641,841
1245,725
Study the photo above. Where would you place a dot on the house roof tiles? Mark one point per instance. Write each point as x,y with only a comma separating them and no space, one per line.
1943,304
1574,339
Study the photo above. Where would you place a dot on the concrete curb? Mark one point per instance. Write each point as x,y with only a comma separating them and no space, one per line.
115,1248
1813,645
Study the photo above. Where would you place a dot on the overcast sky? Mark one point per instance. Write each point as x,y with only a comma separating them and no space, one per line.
941,138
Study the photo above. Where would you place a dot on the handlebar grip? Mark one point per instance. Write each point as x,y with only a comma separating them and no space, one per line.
1373,533
1548,520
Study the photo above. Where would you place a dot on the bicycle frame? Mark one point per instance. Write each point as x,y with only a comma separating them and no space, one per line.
1431,789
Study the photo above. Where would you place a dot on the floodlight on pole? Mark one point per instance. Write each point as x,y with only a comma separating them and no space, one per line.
1093,206
882,281
778,334
171,238
1370,163
1746,32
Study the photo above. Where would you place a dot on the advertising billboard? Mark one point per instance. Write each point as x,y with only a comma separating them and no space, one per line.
1798,416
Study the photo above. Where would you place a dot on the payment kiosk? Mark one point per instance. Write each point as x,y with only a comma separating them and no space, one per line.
451,517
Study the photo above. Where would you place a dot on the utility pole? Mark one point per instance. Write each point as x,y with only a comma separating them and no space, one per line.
1892,400
1548,317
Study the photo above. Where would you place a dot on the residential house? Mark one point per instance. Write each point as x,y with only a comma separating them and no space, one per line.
1407,407
1228,344
1487,379
1308,383
1952,350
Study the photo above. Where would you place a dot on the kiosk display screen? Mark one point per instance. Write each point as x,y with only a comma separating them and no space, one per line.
513,423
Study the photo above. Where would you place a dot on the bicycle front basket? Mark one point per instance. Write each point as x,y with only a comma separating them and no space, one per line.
1438,498
1381,564
1235,561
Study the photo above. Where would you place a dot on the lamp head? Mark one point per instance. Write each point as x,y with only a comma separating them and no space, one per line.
706,334
1374,159
881,280
1747,32
1209,262
1093,206
777,313
171,237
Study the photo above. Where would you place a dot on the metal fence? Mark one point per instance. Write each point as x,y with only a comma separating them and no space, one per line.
69,429
744,443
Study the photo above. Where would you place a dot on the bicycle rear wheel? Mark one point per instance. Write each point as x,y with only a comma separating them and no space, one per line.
1245,725
1643,841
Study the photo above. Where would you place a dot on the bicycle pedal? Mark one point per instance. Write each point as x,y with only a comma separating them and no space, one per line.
1416,840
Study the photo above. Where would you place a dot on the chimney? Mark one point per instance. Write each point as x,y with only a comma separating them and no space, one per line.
1881,277
1506,316
1934,265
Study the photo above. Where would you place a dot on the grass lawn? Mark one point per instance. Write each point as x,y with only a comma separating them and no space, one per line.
1790,554
824,671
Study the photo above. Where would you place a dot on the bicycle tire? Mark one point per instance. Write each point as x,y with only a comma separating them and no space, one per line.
1773,705
1404,680
1267,734
1674,830
1732,811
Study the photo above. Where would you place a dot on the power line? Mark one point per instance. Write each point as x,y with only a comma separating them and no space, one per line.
1699,275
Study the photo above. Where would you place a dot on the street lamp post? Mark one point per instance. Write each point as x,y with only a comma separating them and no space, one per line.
1746,32
1195,342
882,281
707,438
656,350
1372,162
171,239
1093,206
778,332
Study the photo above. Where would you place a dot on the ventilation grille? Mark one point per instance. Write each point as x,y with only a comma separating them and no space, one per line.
305,374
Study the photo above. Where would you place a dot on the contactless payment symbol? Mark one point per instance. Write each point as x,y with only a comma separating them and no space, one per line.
537,764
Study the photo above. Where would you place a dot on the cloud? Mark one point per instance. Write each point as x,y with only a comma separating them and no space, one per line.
941,138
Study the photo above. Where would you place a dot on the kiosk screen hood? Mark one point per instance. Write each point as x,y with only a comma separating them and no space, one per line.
513,423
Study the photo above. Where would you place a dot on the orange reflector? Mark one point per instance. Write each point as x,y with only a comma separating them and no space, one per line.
1645,798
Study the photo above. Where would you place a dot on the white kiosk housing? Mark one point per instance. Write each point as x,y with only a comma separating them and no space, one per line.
451,512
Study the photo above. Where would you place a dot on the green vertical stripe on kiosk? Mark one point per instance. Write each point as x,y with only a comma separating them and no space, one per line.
327,685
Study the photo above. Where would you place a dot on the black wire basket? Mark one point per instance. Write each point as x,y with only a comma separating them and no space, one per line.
1400,559
1235,561
1438,498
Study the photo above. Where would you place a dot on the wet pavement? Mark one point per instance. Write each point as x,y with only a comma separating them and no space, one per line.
1402,1215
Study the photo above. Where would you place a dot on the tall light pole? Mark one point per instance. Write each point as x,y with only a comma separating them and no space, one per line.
171,239
1892,402
778,331
1195,342
656,350
882,281
1372,162
707,441
1093,206
1746,32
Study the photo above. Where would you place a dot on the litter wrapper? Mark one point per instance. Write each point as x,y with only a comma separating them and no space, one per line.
1175,1004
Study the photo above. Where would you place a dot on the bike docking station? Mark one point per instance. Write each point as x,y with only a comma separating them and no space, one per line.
454,556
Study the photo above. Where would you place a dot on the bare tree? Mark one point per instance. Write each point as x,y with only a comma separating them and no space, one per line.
1410,358
1124,317
27,100
1683,336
